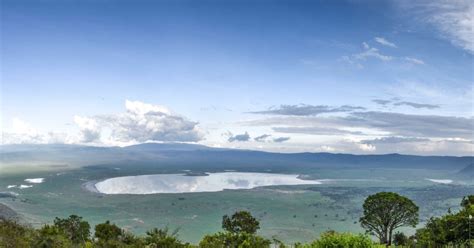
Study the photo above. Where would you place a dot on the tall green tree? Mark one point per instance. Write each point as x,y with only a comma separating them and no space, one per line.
241,221
76,229
109,235
107,231
386,211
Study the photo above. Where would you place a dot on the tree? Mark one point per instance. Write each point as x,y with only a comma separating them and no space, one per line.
386,211
467,201
400,239
241,221
450,229
77,230
110,235
106,232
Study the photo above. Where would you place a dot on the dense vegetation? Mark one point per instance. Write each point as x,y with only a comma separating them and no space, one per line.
383,213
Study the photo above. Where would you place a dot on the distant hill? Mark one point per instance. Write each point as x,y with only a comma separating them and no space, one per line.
7,213
467,172
178,155
153,147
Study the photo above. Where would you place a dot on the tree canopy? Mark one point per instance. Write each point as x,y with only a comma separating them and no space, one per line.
450,229
241,221
386,211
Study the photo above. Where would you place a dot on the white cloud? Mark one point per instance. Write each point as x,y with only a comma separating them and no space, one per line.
325,148
141,108
415,60
369,52
21,132
365,45
367,147
22,127
141,122
385,42
89,129
372,52
453,18
456,20
146,122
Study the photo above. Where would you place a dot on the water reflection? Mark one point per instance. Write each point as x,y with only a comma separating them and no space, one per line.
177,183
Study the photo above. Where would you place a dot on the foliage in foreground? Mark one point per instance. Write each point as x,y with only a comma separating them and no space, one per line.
240,231
334,239
450,229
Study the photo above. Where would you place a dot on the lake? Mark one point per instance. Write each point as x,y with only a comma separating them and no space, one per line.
180,183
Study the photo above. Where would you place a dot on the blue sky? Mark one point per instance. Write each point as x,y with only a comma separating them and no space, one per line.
223,73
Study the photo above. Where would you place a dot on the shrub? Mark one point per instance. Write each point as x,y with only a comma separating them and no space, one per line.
14,235
341,240
234,240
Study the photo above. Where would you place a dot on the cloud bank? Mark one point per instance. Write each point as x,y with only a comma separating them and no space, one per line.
307,110
239,137
141,122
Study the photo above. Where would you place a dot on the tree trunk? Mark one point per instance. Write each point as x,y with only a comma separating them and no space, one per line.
389,243
383,237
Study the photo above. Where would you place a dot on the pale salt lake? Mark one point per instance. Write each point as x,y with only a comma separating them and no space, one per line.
180,183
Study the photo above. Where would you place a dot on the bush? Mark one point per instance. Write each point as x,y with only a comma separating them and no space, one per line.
340,240
400,239
15,235
51,236
234,240
161,238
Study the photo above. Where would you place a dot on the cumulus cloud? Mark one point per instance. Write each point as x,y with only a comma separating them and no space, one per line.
239,137
367,147
281,139
89,129
307,110
141,122
385,42
22,132
146,122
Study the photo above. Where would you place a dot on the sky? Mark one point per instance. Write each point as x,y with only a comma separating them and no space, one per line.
363,77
